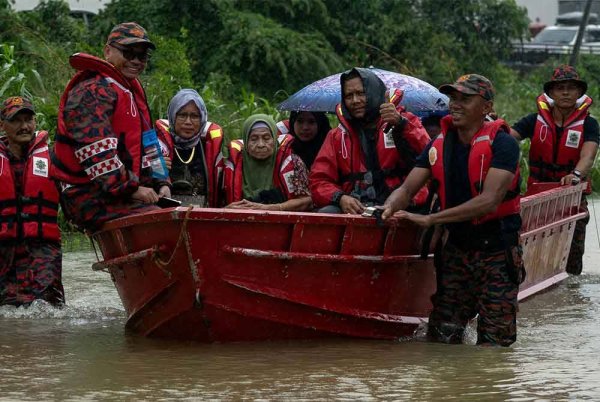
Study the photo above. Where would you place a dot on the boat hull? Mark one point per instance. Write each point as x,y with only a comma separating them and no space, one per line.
227,275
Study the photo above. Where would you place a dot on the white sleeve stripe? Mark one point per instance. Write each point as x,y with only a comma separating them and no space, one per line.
104,167
95,148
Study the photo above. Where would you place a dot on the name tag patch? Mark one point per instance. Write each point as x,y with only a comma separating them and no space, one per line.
573,139
40,166
388,140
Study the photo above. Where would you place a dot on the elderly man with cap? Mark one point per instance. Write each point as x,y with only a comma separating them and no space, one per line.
473,165
30,253
103,115
564,141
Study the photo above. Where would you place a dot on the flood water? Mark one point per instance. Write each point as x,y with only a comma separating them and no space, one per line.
83,353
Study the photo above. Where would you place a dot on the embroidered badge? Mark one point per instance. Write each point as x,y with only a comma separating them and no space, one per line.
573,139
40,166
432,156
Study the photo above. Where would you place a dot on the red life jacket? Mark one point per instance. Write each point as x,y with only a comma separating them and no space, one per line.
234,178
212,139
350,164
130,118
480,159
31,214
283,127
550,157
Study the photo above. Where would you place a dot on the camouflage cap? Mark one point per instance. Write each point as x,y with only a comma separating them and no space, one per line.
563,73
14,105
471,84
129,33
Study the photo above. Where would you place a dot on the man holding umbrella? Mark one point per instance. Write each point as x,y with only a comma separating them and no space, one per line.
371,151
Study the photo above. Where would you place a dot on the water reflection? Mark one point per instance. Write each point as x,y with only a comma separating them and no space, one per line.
83,352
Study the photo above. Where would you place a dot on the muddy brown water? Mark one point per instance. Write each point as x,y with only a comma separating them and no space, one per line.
83,353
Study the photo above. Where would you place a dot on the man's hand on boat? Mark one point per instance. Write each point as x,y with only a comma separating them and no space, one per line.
394,218
148,196
350,205
164,191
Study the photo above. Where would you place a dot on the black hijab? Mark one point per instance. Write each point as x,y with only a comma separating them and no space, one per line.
374,90
308,150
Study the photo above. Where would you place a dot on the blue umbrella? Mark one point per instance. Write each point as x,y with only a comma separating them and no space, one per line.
420,98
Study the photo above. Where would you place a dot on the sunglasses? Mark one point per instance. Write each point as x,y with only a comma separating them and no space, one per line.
131,54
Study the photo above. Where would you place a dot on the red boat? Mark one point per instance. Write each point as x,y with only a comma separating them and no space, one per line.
230,275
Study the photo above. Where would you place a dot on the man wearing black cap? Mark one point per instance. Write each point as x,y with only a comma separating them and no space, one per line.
98,157
564,141
30,252
473,164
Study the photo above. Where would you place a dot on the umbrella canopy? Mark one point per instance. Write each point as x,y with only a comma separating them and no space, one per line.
420,97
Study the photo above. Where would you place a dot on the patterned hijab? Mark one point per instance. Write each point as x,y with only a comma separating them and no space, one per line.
182,98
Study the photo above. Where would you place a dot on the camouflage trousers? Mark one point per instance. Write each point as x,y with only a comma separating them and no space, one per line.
30,272
476,282
88,209
575,260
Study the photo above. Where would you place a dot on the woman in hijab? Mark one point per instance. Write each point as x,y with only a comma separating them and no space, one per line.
193,145
309,130
263,174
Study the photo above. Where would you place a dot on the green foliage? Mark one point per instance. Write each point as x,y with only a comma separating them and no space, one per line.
244,56
167,72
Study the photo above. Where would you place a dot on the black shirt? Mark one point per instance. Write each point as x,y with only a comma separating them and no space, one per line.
505,156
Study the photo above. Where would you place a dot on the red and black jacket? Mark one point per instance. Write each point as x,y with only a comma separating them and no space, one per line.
33,213
212,140
480,159
130,118
552,157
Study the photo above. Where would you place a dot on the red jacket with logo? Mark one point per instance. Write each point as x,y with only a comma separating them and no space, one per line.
31,214
551,157
480,159
340,164
212,140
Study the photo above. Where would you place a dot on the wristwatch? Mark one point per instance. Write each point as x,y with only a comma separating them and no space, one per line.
577,173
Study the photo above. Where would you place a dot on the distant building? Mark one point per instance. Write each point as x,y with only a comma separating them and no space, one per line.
544,10
77,6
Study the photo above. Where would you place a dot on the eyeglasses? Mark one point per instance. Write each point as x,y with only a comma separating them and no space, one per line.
195,117
131,54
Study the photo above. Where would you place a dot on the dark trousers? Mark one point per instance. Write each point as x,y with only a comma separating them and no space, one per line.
30,272
575,260
472,282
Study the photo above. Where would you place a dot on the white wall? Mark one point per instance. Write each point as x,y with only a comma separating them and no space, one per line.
546,10
91,6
